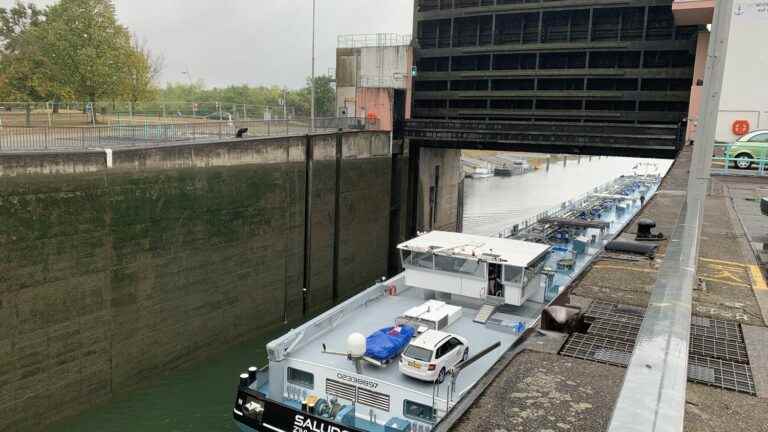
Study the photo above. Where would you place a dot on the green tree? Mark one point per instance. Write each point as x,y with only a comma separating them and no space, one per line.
17,77
83,49
15,21
141,72
325,98
74,49
233,97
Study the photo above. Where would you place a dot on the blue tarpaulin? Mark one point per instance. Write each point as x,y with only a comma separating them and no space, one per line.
387,343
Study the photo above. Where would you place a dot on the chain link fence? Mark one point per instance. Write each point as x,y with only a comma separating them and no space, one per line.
30,139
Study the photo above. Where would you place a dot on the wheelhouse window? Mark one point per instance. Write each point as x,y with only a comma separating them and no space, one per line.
420,259
458,265
301,378
512,274
417,411
534,268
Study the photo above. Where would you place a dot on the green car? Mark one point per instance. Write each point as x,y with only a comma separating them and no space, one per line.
749,148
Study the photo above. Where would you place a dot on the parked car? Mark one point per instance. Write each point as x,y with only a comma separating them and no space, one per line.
749,148
432,354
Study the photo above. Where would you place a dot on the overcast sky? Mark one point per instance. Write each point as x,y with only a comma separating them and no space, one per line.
252,41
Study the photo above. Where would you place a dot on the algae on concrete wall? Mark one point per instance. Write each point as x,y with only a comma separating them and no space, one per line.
112,276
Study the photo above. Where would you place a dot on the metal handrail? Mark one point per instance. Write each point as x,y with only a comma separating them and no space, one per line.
14,139
722,154
373,40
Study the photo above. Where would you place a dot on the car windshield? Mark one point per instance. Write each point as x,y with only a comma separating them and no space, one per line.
418,353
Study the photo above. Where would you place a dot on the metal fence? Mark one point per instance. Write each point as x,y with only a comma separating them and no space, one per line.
48,114
724,162
29,139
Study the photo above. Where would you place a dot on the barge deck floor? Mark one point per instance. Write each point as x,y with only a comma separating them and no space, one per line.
382,313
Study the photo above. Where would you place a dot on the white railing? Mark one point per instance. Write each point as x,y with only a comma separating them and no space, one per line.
373,40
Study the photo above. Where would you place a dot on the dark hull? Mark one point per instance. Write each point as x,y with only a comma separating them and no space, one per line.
278,417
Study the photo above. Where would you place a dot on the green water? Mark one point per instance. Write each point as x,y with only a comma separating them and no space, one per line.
198,398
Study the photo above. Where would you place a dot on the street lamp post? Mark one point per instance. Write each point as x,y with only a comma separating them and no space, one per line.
312,84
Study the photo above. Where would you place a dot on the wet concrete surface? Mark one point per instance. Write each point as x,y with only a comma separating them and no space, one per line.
543,391
546,392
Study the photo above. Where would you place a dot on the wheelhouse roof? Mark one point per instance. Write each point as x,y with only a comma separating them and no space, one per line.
479,248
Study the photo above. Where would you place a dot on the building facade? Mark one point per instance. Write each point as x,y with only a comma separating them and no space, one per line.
744,96
553,60
369,69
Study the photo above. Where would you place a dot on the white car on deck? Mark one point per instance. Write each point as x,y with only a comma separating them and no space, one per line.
432,354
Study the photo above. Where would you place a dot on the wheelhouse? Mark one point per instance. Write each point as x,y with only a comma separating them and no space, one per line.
491,269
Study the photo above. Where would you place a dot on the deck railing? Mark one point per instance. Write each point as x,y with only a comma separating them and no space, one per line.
554,211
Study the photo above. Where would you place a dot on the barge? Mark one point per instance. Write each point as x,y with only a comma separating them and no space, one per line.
400,355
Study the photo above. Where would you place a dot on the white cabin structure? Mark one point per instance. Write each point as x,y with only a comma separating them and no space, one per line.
493,270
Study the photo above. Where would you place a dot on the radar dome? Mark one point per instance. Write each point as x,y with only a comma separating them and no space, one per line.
356,345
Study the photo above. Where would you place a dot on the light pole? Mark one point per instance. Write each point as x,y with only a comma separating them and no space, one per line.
312,83
189,75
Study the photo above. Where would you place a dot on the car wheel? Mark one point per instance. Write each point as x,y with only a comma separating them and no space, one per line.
441,376
743,161
465,356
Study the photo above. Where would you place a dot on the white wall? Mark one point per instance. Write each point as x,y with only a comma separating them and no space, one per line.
451,283
383,66
745,83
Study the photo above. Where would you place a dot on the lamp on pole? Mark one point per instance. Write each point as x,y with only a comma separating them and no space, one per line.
189,75
312,83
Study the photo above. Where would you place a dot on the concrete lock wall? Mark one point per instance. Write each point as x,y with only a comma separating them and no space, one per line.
440,177
109,276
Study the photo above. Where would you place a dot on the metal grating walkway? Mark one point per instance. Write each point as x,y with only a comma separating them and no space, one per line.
710,371
729,348
717,351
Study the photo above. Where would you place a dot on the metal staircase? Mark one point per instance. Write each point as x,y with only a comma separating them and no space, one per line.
486,310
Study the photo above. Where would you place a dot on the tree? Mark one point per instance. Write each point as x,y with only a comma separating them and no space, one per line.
15,21
325,98
17,81
142,70
83,49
